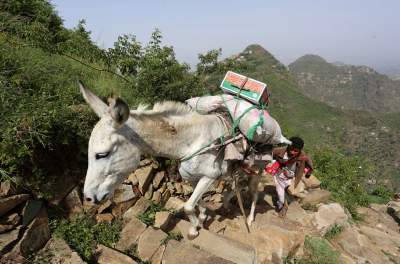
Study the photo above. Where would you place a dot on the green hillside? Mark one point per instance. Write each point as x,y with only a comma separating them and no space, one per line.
374,136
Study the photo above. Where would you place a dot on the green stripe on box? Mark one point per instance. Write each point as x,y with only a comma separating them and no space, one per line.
253,95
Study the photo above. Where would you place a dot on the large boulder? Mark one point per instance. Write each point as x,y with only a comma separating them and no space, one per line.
329,215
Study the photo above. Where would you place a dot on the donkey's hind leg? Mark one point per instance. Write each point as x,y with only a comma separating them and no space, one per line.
201,187
253,187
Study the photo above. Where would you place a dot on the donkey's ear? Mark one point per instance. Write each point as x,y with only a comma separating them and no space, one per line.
98,106
119,111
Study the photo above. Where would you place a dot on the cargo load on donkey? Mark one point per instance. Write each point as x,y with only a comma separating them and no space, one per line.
249,115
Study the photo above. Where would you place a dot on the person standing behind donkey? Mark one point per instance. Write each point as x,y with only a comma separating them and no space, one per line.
293,163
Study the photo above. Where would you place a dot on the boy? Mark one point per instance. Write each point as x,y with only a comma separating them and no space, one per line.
293,162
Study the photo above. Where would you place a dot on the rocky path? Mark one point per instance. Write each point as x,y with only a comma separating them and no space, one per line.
24,226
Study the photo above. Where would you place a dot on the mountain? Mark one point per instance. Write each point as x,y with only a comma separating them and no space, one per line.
346,86
371,135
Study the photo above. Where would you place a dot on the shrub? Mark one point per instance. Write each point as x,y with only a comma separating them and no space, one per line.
82,234
343,176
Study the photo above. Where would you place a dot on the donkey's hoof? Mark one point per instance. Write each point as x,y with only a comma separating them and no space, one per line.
193,233
250,220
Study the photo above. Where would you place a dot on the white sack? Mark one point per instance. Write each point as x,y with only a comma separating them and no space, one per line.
270,132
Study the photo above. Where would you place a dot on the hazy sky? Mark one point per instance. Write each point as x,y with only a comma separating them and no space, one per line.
357,32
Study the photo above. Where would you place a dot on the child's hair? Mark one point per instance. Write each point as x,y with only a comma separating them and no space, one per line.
297,142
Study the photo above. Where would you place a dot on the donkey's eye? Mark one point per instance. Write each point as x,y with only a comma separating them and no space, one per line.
102,155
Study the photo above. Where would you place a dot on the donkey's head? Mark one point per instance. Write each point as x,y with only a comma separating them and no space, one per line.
112,153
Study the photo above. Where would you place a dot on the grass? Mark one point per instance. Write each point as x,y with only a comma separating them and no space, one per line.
133,253
334,231
172,236
316,251
148,217
82,234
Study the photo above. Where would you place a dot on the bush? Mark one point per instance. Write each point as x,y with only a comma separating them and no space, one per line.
343,176
83,234
149,216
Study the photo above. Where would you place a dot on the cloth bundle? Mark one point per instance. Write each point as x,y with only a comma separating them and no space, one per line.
256,124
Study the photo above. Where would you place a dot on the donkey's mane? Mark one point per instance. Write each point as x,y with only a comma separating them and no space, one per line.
166,108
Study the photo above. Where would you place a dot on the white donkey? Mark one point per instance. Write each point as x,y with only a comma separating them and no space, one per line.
170,130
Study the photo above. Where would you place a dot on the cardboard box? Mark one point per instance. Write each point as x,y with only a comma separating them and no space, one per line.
247,88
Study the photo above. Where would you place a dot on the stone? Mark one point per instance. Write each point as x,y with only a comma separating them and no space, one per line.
156,197
163,188
106,255
73,203
149,193
329,215
61,188
8,203
216,198
158,178
139,208
176,251
163,220
104,206
158,255
171,187
386,242
378,218
299,191
104,218
220,187
272,243
311,182
220,246
149,242
178,188
393,208
132,179
130,234
57,251
187,189
7,189
145,162
36,235
123,193
297,214
359,247
90,207
11,219
174,204
121,208
8,239
316,196
165,196
145,177
4,228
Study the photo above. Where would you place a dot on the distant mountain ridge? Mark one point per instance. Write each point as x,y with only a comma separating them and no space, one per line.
346,86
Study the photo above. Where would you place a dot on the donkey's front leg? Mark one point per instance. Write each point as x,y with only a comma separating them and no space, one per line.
201,187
